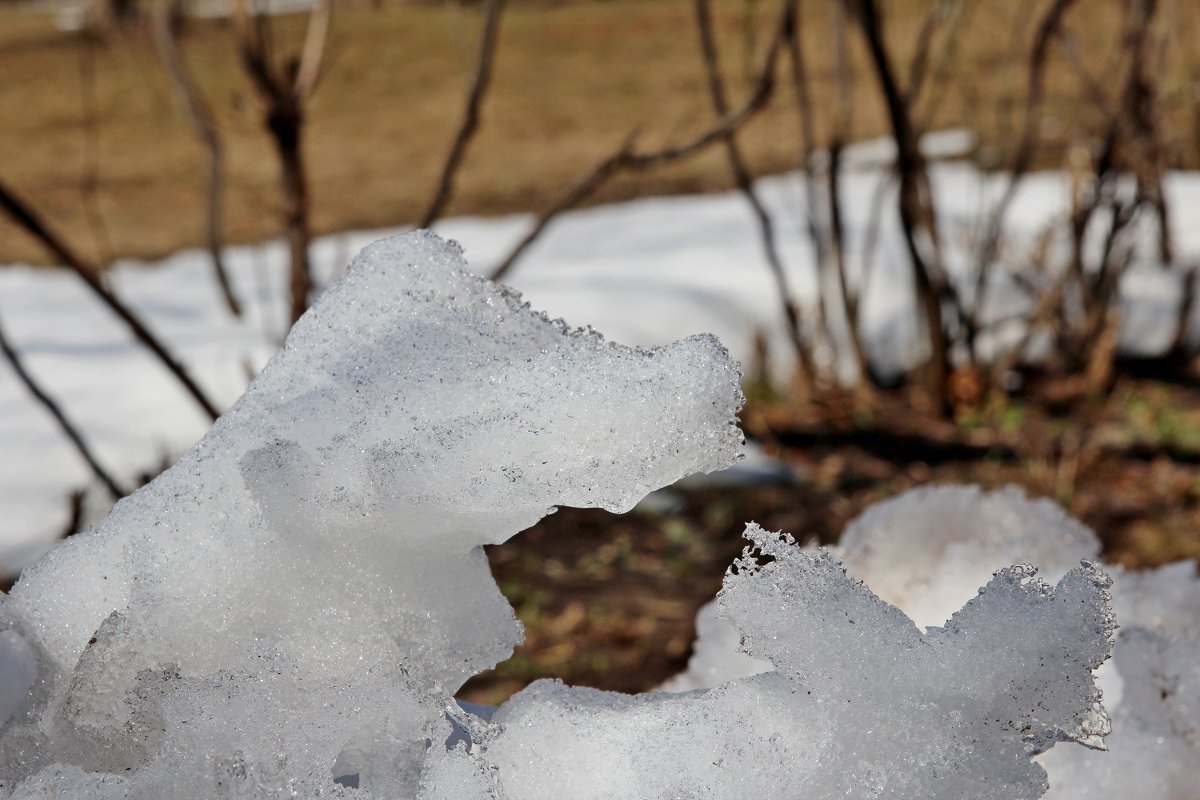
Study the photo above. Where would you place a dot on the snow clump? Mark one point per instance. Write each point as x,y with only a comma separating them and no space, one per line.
860,703
924,551
289,610
306,587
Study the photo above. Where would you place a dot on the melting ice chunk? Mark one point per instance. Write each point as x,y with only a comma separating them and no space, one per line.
302,594
861,704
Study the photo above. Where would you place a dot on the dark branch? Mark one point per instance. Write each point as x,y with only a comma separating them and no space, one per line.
68,429
744,181
26,218
626,159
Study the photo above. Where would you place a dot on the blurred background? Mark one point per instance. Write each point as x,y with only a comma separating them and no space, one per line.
948,240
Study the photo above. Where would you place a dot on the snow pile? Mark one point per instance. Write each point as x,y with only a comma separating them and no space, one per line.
926,550
288,611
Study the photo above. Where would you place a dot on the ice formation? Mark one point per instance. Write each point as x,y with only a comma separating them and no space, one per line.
860,703
1154,749
925,551
288,611
921,550
305,587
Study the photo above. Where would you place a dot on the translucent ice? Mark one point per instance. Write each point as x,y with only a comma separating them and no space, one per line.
305,590
926,551
920,551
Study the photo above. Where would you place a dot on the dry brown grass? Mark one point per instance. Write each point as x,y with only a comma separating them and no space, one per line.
571,80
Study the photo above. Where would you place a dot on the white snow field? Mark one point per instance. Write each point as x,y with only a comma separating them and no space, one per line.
927,550
289,610
646,272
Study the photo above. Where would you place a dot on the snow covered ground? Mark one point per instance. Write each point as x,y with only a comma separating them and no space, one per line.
647,271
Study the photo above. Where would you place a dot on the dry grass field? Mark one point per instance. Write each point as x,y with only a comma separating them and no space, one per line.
571,80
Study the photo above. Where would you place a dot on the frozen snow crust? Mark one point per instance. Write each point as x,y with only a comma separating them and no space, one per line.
297,600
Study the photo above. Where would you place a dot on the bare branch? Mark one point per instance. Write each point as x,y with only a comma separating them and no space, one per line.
1141,107
916,215
26,218
470,122
843,72
814,217
941,64
741,176
1048,29
574,195
204,125
308,71
284,93
1187,306
69,430
717,133
837,237
625,158
919,67
90,179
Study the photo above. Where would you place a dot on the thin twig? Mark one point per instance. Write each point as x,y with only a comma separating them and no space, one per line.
1178,349
946,61
850,296
90,179
837,232
69,430
815,216
1048,29
843,68
27,218
204,125
470,122
574,194
744,182
284,93
919,67
916,215
626,158
1141,107
308,71
808,139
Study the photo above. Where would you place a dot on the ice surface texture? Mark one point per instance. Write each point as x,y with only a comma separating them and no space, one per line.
925,550
920,550
306,586
1155,688
860,704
